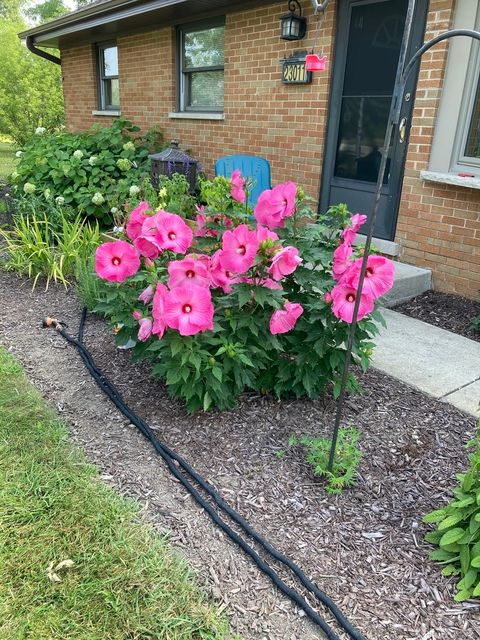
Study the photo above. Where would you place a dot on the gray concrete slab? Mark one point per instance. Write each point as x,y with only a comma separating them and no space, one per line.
433,360
410,281
467,398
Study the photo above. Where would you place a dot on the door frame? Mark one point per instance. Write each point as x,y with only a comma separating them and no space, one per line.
397,164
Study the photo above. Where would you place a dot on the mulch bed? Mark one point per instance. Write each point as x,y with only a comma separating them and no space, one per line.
364,548
444,310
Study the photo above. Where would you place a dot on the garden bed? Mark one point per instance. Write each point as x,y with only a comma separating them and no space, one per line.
365,548
444,310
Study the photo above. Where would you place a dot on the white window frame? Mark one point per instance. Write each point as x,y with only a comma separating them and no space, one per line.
457,100
102,78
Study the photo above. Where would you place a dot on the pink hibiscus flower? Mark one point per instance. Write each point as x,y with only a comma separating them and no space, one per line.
189,309
158,312
274,205
344,296
237,187
264,234
174,233
283,320
239,248
284,262
188,271
145,331
220,277
116,261
341,260
136,220
349,233
146,295
147,247
379,275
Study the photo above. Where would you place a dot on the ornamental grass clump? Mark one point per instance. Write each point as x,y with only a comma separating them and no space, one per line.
241,299
457,532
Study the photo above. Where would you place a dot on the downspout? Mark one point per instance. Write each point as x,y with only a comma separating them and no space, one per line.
38,52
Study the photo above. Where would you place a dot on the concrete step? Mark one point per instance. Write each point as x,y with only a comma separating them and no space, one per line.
409,282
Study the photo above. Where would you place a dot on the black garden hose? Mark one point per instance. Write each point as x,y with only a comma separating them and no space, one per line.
175,463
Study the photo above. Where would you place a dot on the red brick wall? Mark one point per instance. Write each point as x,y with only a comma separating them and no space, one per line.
438,225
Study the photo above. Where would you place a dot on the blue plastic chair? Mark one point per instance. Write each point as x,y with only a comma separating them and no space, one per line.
258,169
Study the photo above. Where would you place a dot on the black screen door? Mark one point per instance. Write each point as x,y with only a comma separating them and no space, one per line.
367,47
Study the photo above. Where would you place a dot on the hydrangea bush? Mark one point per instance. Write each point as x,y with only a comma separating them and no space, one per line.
94,172
241,299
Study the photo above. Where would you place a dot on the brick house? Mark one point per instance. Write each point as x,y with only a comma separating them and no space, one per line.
209,73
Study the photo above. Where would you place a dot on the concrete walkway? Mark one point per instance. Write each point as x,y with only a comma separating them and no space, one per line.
437,362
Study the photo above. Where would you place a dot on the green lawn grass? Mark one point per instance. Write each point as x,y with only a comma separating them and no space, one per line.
125,583
7,158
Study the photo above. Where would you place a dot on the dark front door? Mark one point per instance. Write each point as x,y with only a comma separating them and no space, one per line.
367,47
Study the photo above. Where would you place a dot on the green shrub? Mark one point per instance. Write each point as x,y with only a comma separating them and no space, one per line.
457,532
213,367
37,248
87,284
347,457
475,324
92,171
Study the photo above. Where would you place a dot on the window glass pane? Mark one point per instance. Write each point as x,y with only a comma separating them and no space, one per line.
112,93
110,61
203,48
472,148
205,89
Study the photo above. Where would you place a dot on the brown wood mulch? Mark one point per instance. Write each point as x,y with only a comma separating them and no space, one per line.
365,548
444,310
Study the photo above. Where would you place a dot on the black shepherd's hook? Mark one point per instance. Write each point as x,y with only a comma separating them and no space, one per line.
403,71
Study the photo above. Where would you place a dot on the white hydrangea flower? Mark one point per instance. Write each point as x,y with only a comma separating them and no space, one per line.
98,199
59,200
124,164
114,210
47,193
134,190
92,160
29,188
129,146
163,192
78,154
19,154
40,131
14,176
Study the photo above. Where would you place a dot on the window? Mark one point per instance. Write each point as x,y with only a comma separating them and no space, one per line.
109,94
456,142
201,69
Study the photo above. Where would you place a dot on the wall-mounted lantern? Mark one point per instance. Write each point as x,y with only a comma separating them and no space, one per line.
293,24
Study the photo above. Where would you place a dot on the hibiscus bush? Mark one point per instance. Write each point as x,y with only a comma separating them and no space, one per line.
240,298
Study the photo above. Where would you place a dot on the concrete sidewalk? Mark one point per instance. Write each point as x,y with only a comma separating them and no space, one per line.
437,362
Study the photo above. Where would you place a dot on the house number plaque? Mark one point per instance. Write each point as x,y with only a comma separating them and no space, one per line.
293,70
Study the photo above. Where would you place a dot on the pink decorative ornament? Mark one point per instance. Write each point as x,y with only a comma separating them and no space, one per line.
136,220
379,275
116,261
189,309
284,262
341,260
274,205
349,233
188,271
174,234
158,311
145,331
344,297
146,295
237,187
283,320
239,248
314,63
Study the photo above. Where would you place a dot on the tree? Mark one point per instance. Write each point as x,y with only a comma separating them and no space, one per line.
46,11
30,87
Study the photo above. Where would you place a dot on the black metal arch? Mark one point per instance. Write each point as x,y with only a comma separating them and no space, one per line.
403,71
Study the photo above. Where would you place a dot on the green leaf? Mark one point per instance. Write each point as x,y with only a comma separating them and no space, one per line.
434,516
217,372
207,401
462,595
453,535
450,521
475,562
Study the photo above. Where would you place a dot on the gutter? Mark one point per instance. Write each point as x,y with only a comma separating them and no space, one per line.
38,52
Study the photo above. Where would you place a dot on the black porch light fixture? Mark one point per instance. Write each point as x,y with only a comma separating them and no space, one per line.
293,24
